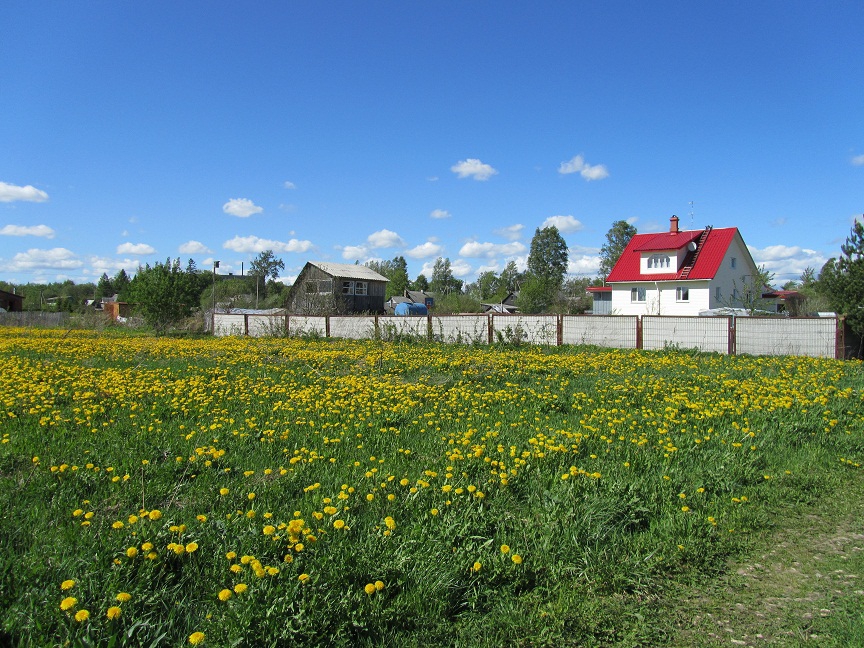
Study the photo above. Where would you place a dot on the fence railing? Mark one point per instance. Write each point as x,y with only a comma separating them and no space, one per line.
818,337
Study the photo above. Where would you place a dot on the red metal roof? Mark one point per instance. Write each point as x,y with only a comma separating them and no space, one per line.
708,259
593,289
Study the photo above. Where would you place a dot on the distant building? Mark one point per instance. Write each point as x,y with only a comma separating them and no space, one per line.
602,296
324,288
681,272
10,302
506,306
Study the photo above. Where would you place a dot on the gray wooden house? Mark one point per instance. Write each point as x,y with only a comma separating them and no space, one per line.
324,288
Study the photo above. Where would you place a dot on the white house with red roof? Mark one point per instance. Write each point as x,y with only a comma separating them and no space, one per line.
681,272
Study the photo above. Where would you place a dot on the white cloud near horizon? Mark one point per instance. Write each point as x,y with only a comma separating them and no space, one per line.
858,160
425,250
473,168
135,248
108,265
28,230
787,262
587,171
475,249
28,193
511,232
439,213
194,247
254,244
241,207
289,185
384,239
355,252
583,264
53,259
564,224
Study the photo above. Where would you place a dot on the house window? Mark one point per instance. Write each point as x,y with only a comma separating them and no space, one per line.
682,294
347,287
637,295
717,293
361,287
325,286
311,287
733,261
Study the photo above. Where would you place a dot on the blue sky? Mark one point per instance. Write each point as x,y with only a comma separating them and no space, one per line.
132,132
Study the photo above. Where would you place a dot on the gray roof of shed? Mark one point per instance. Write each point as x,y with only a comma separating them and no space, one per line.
348,271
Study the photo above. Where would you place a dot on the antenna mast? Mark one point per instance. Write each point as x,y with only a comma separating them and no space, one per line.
691,214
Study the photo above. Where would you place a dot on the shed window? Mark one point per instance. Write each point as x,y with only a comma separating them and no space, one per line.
637,294
361,287
325,286
311,287
347,287
682,294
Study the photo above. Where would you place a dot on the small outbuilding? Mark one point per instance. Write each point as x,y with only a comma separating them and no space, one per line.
10,302
324,288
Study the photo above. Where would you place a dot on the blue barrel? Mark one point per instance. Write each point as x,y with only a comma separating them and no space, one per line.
407,308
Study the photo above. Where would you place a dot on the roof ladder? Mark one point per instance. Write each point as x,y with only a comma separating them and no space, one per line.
685,271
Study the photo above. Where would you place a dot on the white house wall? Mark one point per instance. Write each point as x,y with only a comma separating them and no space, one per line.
727,278
660,298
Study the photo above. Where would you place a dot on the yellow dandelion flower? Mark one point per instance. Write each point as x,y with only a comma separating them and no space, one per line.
225,594
250,496
123,597
196,638
379,585
434,511
67,584
82,615
516,558
235,568
231,555
299,547
192,547
201,518
223,491
113,613
117,525
303,578
68,603
239,588
476,566
505,549
147,546
339,524
269,530
155,514
131,552
370,588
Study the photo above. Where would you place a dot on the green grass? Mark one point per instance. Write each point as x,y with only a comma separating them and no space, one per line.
627,482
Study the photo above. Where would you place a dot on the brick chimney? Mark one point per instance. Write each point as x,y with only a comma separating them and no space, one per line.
673,225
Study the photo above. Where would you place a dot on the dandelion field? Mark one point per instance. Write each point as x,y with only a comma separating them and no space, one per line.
237,491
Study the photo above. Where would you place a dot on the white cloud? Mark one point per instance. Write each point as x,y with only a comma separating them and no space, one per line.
355,252
787,262
633,220
112,266
439,213
13,193
511,233
384,239
289,185
241,207
194,247
55,259
565,224
426,250
460,268
473,168
24,230
253,244
583,264
578,165
858,160
135,248
474,249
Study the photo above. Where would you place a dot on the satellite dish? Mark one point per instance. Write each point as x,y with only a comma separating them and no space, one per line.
691,246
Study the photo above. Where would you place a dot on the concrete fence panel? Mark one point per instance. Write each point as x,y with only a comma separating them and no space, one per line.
815,337
228,324
267,325
355,328
392,327
709,334
533,329
307,325
461,329
615,331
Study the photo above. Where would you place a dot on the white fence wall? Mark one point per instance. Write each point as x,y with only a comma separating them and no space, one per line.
355,328
616,331
756,336
534,329
709,334
460,329
805,337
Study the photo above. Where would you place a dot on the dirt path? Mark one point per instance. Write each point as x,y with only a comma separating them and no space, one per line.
804,584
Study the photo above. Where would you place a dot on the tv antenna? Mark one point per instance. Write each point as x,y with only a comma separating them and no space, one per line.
691,214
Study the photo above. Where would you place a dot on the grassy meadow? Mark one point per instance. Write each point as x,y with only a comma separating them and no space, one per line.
160,491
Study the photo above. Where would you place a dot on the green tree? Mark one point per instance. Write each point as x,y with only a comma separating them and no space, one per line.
617,238
547,265
509,280
263,267
420,283
443,282
164,294
396,271
105,287
843,280
120,284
